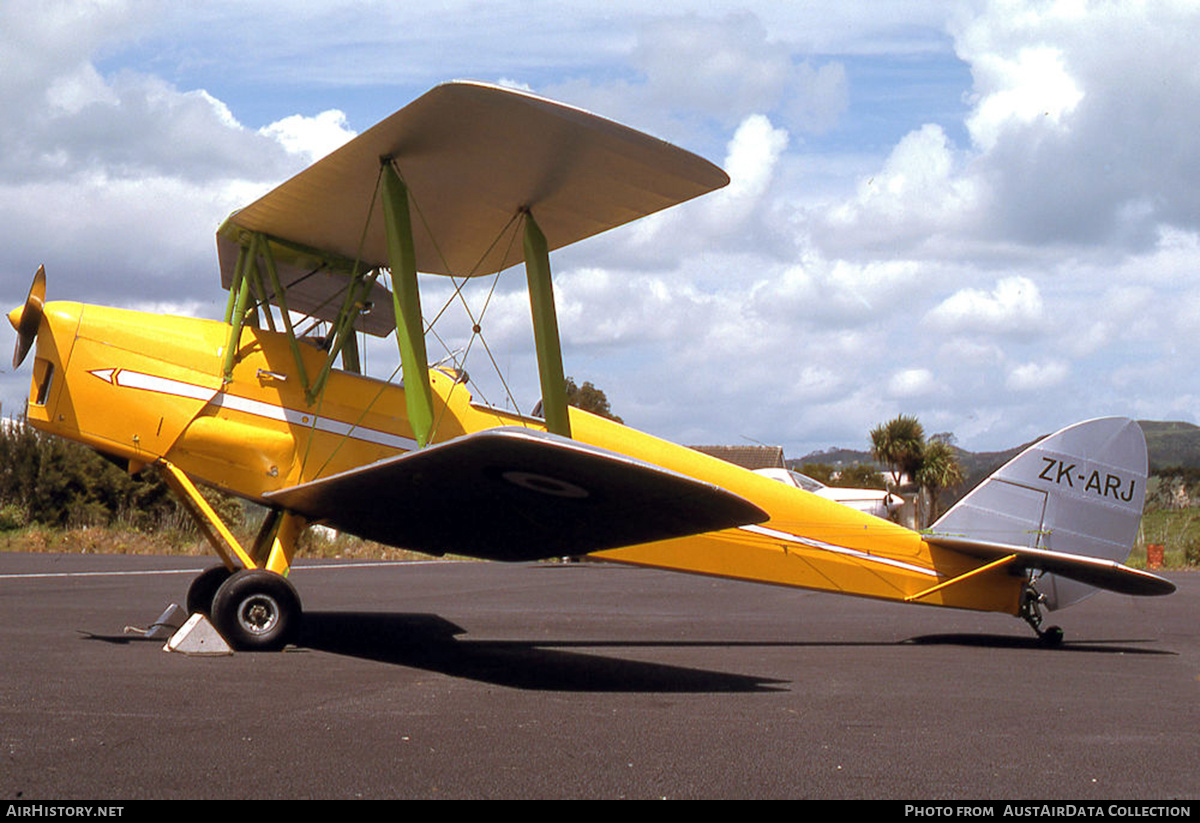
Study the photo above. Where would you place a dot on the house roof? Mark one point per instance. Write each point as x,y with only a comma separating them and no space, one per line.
748,457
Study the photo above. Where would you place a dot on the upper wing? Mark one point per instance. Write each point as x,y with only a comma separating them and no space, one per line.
473,157
516,494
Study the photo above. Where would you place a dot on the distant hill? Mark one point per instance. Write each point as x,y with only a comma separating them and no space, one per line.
833,457
1172,444
1169,444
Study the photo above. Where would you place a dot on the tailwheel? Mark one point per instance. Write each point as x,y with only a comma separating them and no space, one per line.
204,588
1052,636
1031,613
257,610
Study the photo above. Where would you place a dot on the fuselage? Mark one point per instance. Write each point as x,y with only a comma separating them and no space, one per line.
144,387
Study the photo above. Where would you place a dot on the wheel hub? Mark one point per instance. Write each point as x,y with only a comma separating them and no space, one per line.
259,614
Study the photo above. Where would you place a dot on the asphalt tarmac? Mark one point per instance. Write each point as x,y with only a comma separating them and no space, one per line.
480,680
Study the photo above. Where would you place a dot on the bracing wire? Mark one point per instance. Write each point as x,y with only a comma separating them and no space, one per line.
511,229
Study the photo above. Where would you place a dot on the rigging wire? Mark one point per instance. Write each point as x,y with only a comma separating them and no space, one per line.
362,241
511,229
458,290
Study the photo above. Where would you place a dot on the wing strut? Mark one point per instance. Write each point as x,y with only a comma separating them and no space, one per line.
235,310
406,299
1003,561
545,330
209,523
248,290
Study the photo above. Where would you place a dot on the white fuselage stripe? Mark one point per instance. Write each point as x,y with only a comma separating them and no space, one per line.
127,379
298,418
161,385
857,554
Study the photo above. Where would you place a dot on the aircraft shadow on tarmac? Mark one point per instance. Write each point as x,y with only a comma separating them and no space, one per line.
430,642
995,641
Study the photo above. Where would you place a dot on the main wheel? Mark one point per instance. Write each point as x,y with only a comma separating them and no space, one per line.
204,588
257,610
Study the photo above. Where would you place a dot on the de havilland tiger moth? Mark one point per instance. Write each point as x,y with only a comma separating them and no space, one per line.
471,180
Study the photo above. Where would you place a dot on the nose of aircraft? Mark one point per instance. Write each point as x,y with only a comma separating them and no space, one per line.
14,317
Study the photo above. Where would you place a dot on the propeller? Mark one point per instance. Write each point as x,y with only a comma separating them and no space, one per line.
27,319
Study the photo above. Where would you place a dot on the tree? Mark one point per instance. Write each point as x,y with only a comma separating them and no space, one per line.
821,472
861,476
53,482
899,444
932,466
939,470
590,399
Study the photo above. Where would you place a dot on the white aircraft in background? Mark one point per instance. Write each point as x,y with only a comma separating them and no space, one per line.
872,501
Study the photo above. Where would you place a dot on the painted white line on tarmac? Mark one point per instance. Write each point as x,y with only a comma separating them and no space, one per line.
131,573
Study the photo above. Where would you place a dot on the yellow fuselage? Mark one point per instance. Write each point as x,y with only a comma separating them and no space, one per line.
145,387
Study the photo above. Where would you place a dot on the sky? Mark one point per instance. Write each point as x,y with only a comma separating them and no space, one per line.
983,214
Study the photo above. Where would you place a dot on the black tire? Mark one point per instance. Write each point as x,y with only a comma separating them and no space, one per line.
1052,637
204,588
257,610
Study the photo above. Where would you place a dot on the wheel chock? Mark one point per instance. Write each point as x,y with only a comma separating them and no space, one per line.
166,625
198,637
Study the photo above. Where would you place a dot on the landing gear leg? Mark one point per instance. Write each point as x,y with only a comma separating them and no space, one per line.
1031,613
254,608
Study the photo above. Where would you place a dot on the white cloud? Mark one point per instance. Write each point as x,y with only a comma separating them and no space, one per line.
728,68
312,137
1078,118
742,217
819,98
920,192
911,383
753,154
1028,88
1013,307
971,247
1036,376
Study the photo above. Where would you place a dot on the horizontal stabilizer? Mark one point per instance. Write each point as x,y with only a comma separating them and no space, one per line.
1092,571
516,494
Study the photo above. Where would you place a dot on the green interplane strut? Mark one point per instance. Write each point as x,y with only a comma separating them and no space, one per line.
406,299
545,330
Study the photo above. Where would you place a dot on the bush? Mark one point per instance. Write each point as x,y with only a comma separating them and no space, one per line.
12,517
51,482
1191,552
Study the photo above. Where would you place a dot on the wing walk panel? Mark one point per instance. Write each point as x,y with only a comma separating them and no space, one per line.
516,494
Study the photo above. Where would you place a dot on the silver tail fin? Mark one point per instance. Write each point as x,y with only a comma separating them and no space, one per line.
1069,506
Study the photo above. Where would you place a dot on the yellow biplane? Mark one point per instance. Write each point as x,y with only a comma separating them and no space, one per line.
470,180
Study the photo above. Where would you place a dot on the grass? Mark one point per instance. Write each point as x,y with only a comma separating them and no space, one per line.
1178,530
117,540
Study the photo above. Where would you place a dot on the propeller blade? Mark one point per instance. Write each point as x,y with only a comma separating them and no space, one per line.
30,318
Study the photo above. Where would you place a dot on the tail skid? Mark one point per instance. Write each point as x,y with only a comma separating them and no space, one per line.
1066,509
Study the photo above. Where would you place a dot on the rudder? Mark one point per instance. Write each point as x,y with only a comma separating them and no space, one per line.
1079,491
